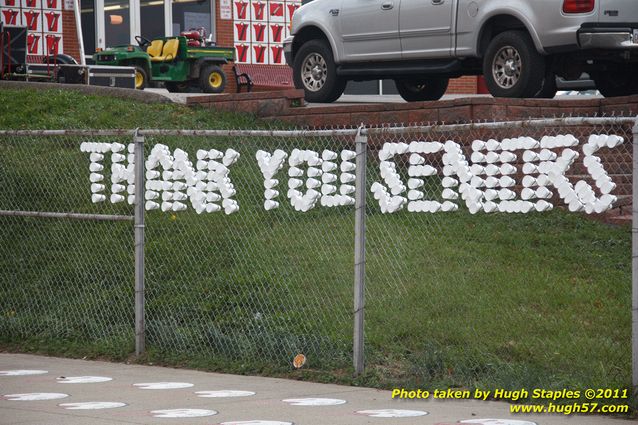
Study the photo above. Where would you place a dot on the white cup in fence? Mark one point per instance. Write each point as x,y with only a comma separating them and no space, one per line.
492,145
416,159
328,178
97,187
543,193
117,157
150,205
490,194
295,172
178,206
507,157
346,189
527,194
449,206
152,175
215,154
314,172
271,193
415,195
96,197
328,189
477,169
151,194
607,187
201,154
478,145
95,177
115,198
415,183
348,155
542,205
476,181
490,207
347,178
506,194
326,167
95,157
313,183
117,188
449,182
348,167
270,205
507,181
211,208
449,194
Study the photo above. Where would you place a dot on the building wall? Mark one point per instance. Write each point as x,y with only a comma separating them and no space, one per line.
51,26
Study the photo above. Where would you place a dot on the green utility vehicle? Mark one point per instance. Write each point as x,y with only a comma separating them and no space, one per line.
179,62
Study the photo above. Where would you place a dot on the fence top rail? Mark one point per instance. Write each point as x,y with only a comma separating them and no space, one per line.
337,132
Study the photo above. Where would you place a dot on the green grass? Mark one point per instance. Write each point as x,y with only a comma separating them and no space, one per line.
67,109
488,301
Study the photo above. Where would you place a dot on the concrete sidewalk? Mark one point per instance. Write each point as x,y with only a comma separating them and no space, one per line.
266,404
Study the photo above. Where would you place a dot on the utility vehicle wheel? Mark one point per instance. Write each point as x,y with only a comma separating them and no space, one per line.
423,89
512,67
315,72
174,87
618,80
212,79
141,78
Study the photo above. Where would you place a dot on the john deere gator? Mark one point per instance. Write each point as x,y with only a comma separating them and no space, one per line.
180,62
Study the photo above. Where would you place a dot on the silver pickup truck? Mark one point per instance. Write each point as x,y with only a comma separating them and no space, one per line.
520,46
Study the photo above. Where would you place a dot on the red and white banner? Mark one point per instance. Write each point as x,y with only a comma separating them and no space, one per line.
262,26
43,19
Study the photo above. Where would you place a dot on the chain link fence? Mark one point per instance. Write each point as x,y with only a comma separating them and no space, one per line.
474,277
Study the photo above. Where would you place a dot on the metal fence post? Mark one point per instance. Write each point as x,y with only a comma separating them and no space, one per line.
634,262
140,325
361,142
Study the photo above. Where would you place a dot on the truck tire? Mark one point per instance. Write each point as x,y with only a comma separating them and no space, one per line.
617,81
512,67
315,72
212,79
141,78
422,89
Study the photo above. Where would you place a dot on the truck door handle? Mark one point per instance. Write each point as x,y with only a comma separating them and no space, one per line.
438,2
387,6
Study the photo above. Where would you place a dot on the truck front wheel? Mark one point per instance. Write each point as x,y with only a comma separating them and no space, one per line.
315,72
512,67
423,89
212,79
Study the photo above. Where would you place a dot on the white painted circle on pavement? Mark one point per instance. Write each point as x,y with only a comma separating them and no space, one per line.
314,401
392,413
163,385
83,379
22,372
257,423
224,393
497,422
92,405
183,413
34,396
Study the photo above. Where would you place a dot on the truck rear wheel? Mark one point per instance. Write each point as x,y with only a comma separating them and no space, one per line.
422,89
512,67
315,72
212,79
